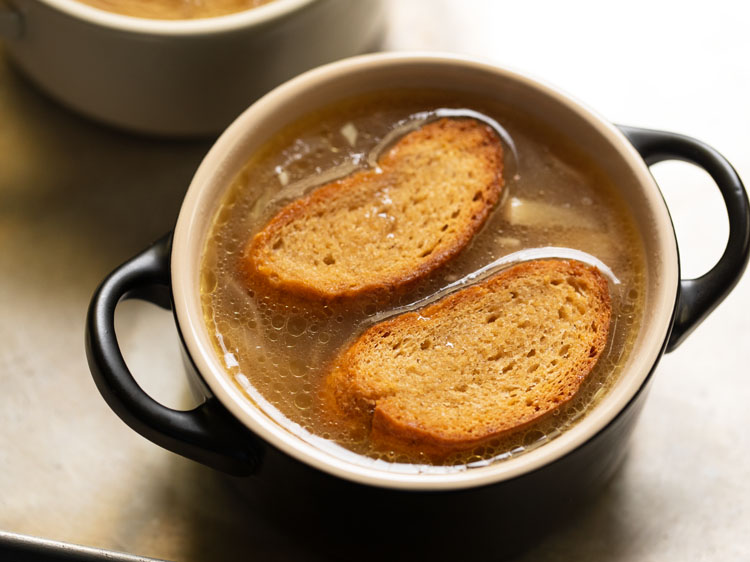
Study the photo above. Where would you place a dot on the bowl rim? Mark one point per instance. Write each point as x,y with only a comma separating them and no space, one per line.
194,210
253,17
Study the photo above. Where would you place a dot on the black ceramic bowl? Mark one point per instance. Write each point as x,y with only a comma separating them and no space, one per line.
230,433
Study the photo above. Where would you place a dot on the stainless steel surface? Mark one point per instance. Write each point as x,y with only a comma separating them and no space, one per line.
76,199
22,547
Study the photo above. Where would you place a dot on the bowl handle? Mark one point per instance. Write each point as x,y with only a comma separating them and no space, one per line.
207,434
698,297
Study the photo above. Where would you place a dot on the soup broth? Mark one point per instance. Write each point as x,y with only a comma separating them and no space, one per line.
174,9
555,202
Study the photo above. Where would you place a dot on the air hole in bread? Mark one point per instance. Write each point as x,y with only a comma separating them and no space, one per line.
573,282
494,357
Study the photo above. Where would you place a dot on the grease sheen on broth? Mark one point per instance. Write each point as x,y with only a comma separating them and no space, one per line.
278,353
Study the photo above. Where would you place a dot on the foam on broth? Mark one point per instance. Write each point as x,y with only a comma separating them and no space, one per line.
555,201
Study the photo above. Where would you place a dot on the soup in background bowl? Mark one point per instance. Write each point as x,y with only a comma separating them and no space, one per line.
564,161
175,9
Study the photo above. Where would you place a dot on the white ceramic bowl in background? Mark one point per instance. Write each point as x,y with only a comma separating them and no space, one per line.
179,77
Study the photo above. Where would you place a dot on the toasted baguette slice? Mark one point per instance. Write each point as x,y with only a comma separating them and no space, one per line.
380,229
478,364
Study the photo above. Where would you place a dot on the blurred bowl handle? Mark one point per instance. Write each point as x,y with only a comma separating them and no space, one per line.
208,433
698,297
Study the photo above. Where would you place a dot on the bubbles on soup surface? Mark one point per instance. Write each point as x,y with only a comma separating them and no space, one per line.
278,351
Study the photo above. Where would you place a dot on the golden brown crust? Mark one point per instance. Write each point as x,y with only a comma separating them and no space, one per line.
460,148
363,388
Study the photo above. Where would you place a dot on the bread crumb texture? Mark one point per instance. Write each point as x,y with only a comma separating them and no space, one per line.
380,229
478,364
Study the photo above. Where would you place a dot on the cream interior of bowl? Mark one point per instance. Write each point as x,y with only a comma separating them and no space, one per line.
353,76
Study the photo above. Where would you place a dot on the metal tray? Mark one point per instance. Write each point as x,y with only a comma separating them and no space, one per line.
22,548
77,199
